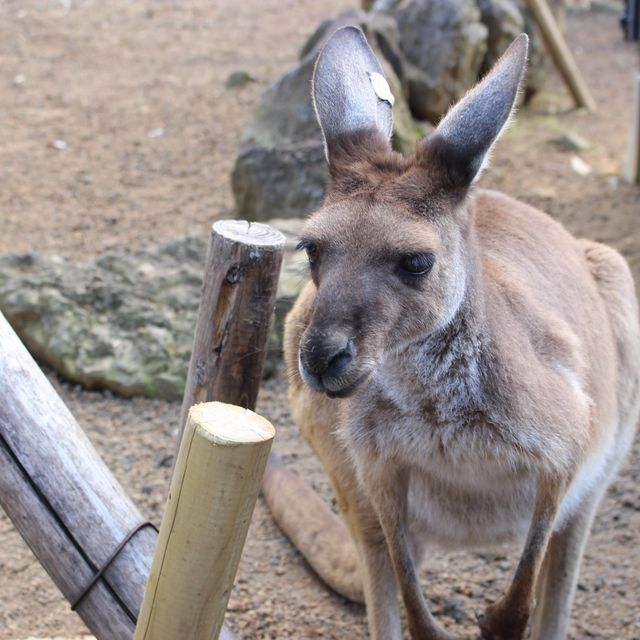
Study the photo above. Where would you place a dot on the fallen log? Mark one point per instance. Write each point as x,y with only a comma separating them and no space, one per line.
65,502
229,349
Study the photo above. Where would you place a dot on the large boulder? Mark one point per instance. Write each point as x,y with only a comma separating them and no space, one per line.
281,169
286,180
443,45
123,322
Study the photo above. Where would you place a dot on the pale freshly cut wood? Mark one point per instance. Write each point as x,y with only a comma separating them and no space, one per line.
232,330
561,54
213,492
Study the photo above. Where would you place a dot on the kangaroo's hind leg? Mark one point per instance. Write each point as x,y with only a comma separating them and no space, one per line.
508,618
557,583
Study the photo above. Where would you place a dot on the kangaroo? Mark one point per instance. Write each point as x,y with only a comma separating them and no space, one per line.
466,370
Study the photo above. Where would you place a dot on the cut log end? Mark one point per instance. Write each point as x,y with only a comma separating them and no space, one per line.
229,425
250,233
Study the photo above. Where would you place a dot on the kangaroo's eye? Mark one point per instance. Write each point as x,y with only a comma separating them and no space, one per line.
311,249
417,264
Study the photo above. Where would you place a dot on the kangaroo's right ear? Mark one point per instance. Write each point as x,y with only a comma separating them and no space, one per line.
350,92
462,142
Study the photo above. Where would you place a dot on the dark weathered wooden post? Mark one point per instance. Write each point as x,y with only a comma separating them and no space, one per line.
229,349
235,315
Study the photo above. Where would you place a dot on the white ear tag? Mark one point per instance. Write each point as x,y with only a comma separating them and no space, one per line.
381,87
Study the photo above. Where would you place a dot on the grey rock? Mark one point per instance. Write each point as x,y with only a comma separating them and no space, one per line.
123,322
570,141
280,170
287,180
504,22
443,44
432,51
537,67
238,79
454,608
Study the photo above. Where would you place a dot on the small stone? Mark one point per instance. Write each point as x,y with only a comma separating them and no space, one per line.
454,608
239,79
157,133
572,142
167,460
580,166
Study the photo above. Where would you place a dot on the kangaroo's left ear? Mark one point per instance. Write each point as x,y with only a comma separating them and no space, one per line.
463,140
350,92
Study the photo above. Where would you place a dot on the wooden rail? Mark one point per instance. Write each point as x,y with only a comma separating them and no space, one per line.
632,165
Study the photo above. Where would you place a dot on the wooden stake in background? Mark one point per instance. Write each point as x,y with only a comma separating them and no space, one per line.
235,314
561,54
213,492
632,165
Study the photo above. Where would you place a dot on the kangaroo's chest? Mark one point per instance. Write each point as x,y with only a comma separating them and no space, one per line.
467,487
469,484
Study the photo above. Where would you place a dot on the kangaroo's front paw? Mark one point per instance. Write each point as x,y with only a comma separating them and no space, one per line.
501,622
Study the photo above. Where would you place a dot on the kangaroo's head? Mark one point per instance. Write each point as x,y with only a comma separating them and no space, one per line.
388,249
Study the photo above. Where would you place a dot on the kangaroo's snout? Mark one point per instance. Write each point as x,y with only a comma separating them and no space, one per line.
327,363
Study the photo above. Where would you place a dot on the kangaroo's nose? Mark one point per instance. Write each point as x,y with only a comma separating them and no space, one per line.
327,356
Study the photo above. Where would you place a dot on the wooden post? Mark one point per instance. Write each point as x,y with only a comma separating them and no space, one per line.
235,314
561,54
213,493
229,348
632,165
64,501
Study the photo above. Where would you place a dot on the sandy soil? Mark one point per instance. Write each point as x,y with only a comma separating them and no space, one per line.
119,133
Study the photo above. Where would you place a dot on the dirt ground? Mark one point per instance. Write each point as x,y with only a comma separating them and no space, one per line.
118,132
